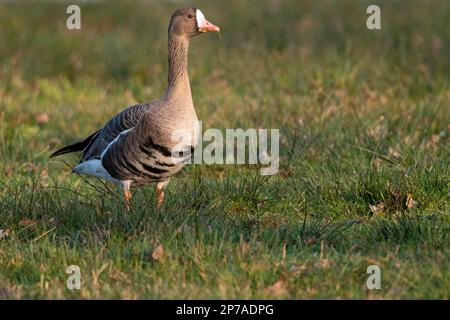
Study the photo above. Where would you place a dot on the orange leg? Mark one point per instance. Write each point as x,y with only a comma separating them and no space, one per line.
159,197
127,195
160,193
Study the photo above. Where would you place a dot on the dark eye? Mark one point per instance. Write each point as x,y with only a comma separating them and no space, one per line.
190,16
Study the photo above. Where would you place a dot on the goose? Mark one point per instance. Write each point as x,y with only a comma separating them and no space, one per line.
150,142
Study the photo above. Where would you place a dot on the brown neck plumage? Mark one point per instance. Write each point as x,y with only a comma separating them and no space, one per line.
178,79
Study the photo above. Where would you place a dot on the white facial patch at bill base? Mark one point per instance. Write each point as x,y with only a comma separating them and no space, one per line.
201,20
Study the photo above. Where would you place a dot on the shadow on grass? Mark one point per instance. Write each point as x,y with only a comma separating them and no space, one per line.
210,211
409,228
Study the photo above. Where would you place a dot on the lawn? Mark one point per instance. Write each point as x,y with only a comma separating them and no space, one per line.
364,152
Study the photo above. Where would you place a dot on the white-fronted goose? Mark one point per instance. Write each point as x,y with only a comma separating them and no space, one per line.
137,145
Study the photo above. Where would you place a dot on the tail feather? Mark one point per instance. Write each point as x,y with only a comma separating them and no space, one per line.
76,147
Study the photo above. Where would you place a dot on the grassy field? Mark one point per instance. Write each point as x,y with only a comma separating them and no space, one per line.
364,144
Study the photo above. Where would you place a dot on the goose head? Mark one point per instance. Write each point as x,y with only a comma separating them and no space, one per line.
190,22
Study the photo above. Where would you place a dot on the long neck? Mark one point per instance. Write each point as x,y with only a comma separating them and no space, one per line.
178,79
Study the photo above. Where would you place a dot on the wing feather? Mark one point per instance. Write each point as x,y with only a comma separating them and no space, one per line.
121,122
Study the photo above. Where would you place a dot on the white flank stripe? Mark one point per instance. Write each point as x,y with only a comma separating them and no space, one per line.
114,141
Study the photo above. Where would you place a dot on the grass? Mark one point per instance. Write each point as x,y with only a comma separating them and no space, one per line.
364,169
